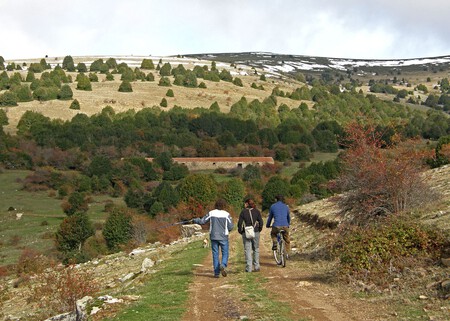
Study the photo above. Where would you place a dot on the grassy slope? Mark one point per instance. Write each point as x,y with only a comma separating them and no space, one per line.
42,215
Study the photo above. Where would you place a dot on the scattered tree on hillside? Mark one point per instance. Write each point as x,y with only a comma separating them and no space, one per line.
71,235
68,63
118,228
125,86
65,93
75,104
147,64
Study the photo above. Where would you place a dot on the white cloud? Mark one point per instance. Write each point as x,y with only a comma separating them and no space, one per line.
348,28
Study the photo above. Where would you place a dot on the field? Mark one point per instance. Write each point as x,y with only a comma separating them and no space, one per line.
41,216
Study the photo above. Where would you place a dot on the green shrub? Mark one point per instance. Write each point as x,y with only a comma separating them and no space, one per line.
8,99
163,102
125,87
389,245
75,104
118,228
147,64
170,93
65,93
164,81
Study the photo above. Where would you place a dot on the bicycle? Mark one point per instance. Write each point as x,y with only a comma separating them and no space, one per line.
280,253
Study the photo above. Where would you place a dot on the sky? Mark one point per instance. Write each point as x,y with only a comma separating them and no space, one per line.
358,29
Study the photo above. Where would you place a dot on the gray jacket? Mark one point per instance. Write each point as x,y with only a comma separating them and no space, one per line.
220,224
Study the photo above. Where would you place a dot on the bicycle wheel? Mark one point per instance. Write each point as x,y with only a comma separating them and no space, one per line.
283,254
277,253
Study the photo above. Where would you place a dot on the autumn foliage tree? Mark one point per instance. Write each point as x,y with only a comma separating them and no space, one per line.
377,179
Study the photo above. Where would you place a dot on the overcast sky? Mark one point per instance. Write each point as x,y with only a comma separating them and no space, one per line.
376,29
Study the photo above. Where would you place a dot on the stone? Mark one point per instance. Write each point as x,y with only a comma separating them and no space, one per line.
146,265
189,230
127,277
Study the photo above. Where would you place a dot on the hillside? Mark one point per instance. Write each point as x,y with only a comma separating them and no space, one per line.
306,288
281,71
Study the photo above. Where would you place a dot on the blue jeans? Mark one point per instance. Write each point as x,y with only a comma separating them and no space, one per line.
223,244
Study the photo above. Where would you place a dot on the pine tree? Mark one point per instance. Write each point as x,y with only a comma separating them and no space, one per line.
125,87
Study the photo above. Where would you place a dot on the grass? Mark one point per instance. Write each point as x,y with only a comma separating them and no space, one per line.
252,285
42,215
164,296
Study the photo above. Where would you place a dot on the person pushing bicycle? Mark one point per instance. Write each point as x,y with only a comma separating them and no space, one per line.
279,212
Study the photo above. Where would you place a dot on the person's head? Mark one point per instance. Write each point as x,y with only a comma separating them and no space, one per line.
279,198
221,204
250,203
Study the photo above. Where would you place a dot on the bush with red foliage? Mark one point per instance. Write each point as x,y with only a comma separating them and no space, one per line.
378,179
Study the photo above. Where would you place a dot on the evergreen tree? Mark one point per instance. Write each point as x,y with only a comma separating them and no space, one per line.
118,228
125,87
81,67
163,102
72,233
23,93
7,99
68,63
84,83
276,185
164,81
75,104
147,64
30,76
238,82
165,70
65,93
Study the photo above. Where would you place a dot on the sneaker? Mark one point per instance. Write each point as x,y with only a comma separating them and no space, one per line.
223,271
256,270
274,247
216,276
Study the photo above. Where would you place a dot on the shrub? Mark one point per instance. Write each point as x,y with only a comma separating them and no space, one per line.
8,99
163,102
71,235
125,86
238,82
65,93
118,228
58,290
147,64
169,93
32,262
165,82
84,83
377,250
276,185
75,104
379,181
199,187
75,203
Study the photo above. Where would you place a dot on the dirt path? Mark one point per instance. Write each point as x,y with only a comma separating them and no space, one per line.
305,288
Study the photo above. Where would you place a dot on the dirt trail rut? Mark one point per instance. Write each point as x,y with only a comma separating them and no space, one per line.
307,292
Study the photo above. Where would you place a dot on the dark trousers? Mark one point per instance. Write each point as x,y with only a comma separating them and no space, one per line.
274,232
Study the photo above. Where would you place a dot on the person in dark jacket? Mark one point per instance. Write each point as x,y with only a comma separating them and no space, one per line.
279,212
220,226
251,216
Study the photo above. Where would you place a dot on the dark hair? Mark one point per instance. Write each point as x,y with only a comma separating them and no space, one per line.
221,204
250,202
279,197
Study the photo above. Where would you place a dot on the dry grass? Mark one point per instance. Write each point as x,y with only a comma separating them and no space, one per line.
149,94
